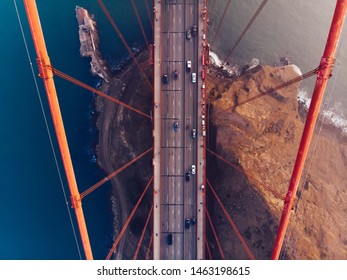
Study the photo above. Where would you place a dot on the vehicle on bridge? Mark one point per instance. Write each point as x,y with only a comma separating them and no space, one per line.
188,176
188,34
193,77
193,220
189,65
194,30
187,223
175,74
165,79
176,126
193,132
193,169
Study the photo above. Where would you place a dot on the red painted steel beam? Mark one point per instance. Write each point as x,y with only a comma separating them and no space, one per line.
143,234
47,75
149,247
149,15
140,22
220,22
127,222
114,173
323,75
231,222
98,92
121,37
215,235
274,192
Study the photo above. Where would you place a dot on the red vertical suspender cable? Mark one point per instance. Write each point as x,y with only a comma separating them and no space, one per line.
47,76
323,75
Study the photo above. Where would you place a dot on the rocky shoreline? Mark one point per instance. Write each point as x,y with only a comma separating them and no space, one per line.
260,137
117,127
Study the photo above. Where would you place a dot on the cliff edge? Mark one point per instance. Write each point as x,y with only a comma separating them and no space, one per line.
260,134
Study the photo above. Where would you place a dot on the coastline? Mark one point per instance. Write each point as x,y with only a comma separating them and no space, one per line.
114,149
122,136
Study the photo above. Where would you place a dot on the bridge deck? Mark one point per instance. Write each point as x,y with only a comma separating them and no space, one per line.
178,108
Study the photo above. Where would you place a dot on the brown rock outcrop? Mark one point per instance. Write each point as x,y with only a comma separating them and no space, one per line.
260,133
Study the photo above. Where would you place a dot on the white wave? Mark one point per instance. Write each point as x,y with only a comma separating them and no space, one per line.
232,70
215,60
329,116
296,69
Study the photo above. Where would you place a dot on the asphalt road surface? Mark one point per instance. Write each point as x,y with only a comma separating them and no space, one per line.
179,148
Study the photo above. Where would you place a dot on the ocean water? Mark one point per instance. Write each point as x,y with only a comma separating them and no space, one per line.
34,219
295,29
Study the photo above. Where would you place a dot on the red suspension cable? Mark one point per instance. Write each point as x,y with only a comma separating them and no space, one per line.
85,86
275,193
124,42
140,22
215,235
246,29
283,85
149,247
323,76
243,242
143,233
208,249
119,237
221,21
110,176
149,15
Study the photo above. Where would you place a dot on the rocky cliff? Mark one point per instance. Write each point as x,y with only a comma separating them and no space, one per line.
260,134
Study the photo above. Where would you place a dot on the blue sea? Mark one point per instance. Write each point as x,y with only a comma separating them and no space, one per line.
35,221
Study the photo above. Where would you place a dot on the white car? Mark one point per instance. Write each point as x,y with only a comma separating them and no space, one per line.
193,77
193,169
189,65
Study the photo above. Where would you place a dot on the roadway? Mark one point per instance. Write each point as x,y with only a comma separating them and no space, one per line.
178,102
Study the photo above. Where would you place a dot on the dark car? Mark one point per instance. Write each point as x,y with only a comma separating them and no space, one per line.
194,30
165,79
176,126
187,223
193,220
169,239
175,74
188,176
